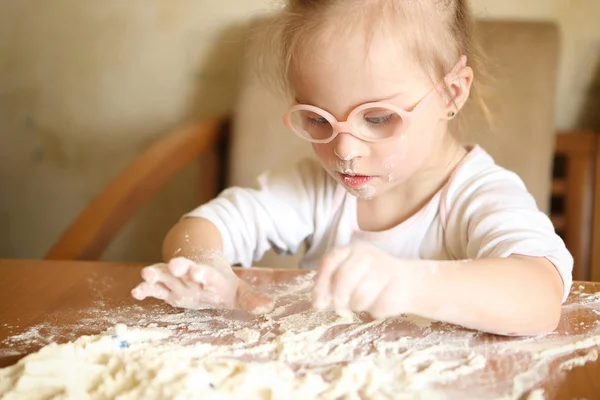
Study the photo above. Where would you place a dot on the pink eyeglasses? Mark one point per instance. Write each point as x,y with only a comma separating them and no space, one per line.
371,122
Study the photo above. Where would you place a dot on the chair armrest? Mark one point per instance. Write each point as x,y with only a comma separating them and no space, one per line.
94,228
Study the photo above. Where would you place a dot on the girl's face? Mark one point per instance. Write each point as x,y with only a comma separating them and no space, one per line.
339,77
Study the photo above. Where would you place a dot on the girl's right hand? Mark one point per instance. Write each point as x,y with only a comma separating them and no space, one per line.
186,284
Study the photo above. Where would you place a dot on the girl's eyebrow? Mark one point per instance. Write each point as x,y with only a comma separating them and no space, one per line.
389,97
385,98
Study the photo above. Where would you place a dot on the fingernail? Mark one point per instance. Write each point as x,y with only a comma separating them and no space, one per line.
135,293
321,302
198,276
182,262
179,268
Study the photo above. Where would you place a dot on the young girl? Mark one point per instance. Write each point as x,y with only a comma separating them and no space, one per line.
397,215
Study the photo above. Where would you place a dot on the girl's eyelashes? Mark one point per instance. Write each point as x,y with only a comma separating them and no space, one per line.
317,121
382,120
385,119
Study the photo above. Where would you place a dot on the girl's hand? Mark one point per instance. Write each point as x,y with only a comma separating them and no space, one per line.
360,277
186,284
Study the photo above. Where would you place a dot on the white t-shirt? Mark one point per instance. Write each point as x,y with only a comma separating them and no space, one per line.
483,211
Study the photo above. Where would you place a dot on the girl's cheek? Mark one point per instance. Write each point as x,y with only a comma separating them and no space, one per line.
322,152
396,159
317,148
389,165
391,155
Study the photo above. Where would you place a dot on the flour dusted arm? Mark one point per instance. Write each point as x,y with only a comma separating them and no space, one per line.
507,271
235,228
517,269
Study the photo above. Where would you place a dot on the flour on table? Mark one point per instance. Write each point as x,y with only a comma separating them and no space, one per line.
294,352
537,394
248,335
591,355
98,367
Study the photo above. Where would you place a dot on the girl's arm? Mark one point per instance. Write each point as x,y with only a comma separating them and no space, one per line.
195,239
236,228
196,274
520,270
517,295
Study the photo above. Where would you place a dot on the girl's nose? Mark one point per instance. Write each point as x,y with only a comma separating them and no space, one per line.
348,147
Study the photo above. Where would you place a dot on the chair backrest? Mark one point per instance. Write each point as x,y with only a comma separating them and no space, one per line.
575,199
524,66
524,57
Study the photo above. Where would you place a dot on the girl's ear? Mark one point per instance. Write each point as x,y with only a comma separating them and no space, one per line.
459,87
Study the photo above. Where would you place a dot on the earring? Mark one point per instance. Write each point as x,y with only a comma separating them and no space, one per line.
451,114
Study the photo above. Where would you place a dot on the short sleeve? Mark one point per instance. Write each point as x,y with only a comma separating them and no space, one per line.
277,214
492,215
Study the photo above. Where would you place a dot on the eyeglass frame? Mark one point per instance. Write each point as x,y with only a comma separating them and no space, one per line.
346,126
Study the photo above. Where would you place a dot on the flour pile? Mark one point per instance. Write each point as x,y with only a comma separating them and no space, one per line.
295,352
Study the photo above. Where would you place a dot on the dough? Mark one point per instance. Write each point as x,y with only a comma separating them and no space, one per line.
294,352
151,366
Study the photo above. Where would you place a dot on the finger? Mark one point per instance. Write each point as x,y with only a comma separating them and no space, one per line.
345,280
384,306
150,274
160,273
366,292
211,279
179,266
328,266
145,289
138,292
214,282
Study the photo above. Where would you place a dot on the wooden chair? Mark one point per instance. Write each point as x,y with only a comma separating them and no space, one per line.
575,210
91,232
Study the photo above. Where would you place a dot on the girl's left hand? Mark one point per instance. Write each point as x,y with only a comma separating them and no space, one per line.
360,277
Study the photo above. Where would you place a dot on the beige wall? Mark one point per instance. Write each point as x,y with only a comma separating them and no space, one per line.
85,85
579,21
530,9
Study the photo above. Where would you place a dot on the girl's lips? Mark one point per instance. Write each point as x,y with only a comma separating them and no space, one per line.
355,181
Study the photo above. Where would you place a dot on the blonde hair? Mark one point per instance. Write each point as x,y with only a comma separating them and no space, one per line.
436,33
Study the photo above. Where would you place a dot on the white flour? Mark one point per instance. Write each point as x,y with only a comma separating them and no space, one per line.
293,352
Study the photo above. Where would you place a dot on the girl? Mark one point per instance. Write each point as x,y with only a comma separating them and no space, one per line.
397,215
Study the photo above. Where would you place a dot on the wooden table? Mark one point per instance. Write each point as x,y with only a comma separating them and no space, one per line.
44,301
